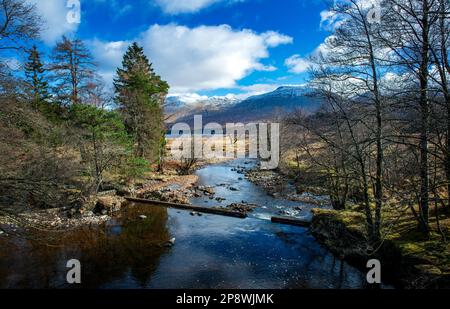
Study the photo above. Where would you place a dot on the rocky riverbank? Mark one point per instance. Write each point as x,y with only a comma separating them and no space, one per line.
278,185
99,208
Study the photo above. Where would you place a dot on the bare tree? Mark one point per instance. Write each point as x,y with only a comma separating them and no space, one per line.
19,24
73,70
407,33
351,65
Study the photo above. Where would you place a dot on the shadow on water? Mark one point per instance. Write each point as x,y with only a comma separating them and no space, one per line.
209,252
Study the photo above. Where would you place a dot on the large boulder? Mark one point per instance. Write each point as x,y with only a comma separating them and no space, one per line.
108,204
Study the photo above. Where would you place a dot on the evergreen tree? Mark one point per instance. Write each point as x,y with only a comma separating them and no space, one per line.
140,95
36,79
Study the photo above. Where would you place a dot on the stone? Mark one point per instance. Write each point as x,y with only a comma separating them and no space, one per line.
242,208
170,243
88,214
107,204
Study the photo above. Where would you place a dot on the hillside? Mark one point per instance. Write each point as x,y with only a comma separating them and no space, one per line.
256,108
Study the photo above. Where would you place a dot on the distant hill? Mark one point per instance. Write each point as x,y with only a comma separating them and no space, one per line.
256,108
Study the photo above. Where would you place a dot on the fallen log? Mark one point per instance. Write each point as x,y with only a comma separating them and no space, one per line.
199,209
291,221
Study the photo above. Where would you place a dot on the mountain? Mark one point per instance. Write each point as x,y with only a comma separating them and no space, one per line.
177,107
282,100
262,107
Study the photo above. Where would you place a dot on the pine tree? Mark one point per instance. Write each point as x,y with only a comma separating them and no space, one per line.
36,79
140,95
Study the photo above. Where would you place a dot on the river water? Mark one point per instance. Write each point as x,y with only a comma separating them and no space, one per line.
210,251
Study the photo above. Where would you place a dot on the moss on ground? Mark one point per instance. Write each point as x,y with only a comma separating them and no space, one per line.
424,259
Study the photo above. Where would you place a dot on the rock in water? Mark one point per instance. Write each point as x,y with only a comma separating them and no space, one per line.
170,243
107,204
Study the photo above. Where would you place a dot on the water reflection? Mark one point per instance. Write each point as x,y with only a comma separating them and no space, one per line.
210,251
126,247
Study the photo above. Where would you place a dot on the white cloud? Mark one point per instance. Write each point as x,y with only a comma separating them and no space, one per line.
184,6
109,56
256,89
207,57
188,98
195,59
331,19
328,19
297,64
273,39
54,15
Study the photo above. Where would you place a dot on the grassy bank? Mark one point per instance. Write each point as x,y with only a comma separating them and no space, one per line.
408,259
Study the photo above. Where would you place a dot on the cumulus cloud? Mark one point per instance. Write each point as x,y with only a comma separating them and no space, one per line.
54,14
207,57
195,59
297,64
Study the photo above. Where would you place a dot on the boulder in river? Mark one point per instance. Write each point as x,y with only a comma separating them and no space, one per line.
242,208
206,190
107,204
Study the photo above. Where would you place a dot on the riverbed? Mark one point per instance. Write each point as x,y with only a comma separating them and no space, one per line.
134,249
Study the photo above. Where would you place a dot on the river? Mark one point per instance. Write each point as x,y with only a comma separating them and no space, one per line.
210,251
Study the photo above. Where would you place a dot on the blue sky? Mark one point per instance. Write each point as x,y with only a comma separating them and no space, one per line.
201,47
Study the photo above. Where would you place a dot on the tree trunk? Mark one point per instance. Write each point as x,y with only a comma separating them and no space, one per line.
425,119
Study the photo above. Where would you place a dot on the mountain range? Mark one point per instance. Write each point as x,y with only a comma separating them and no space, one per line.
262,107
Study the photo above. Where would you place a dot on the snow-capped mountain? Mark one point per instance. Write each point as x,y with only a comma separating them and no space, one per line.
179,106
283,92
258,107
